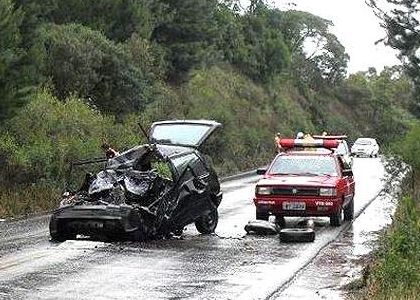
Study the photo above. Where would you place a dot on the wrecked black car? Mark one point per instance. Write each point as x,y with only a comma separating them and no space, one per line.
149,191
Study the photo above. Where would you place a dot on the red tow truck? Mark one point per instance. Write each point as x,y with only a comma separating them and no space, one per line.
308,179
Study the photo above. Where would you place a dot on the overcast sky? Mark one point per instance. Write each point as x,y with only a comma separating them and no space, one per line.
356,27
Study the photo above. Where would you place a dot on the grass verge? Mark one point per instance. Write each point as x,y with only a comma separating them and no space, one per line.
27,200
395,272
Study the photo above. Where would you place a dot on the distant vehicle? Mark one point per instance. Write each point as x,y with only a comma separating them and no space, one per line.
309,179
367,147
342,149
130,198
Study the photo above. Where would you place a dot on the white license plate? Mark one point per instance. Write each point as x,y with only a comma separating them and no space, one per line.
294,205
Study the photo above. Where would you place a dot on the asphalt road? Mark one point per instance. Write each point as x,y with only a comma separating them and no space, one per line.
226,265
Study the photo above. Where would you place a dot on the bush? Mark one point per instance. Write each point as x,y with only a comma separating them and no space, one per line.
408,147
28,200
40,141
83,62
396,274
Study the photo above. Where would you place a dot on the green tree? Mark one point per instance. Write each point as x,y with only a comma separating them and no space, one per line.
400,18
83,62
264,53
15,75
116,19
189,33
318,58
231,39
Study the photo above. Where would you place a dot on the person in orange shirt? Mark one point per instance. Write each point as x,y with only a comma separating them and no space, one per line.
277,139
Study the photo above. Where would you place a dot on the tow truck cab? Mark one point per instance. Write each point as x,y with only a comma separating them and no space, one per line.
309,179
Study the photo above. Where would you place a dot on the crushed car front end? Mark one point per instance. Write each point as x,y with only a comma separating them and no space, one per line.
116,221
148,191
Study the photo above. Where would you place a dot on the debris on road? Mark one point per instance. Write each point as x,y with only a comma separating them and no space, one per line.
261,227
300,235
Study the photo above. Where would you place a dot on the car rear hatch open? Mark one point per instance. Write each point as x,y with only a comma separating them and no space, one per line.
190,133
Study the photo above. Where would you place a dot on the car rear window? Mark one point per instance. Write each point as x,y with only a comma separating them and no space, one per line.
180,134
363,142
304,165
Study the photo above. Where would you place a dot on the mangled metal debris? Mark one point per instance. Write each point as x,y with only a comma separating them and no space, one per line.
261,227
303,233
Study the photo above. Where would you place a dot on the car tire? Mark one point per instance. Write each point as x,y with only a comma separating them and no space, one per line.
137,236
298,235
337,219
59,236
280,221
261,216
349,211
206,224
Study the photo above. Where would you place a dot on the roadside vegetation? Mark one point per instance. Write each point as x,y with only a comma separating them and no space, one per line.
72,78
395,271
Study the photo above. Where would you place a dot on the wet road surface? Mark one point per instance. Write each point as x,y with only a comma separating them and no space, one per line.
227,265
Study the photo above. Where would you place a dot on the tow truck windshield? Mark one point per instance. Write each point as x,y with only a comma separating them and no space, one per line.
304,166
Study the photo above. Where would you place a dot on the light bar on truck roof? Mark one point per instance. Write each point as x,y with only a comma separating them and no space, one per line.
330,137
300,143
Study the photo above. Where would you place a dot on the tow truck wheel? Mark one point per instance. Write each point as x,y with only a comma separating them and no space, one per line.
337,219
206,224
261,216
349,211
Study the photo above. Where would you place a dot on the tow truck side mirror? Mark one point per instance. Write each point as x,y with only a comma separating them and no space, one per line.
347,172
261,171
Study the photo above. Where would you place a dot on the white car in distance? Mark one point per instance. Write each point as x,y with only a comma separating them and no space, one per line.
365,147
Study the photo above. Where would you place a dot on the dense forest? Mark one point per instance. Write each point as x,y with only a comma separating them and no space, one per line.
77,73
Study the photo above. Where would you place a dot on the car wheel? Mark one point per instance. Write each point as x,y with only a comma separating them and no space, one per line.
137,236
206,224
57,234
300,235
349,211
337,219
280,221
261,216
59,237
